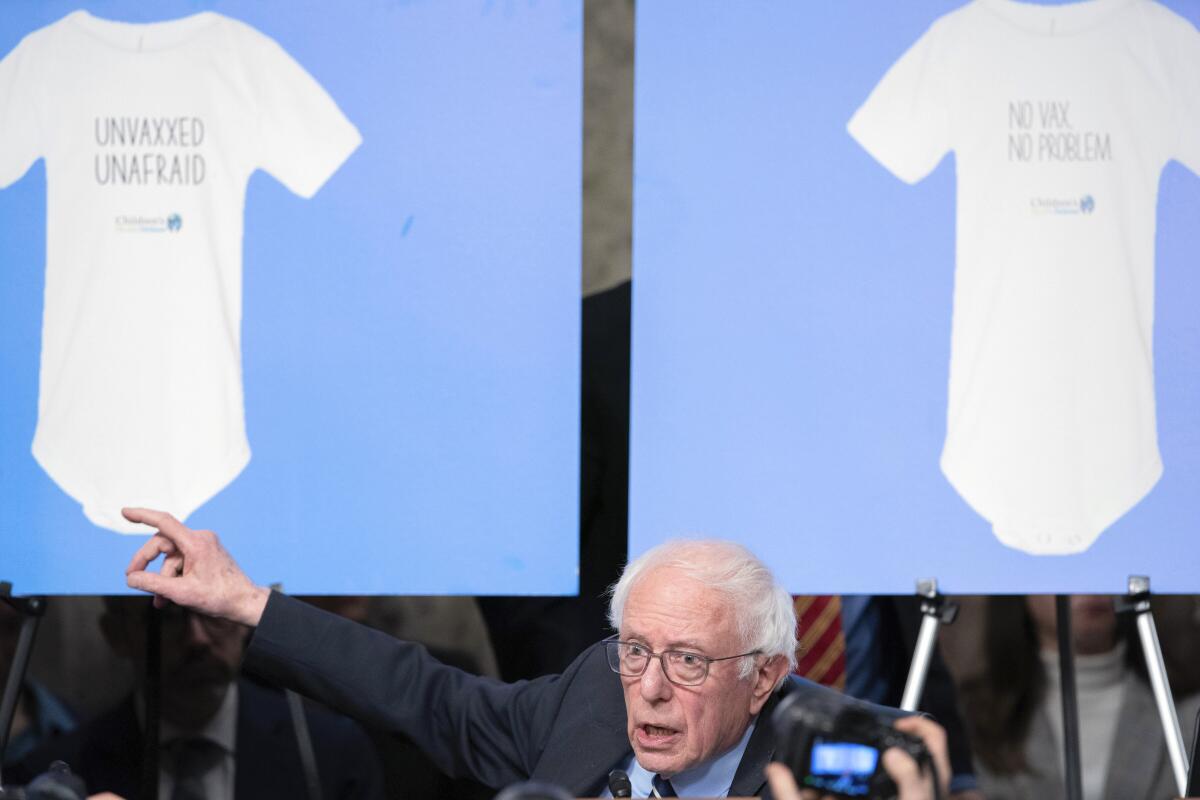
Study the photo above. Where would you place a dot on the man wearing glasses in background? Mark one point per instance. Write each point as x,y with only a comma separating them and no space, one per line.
220,738
679,700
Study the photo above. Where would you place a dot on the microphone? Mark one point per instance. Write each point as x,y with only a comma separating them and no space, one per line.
618,784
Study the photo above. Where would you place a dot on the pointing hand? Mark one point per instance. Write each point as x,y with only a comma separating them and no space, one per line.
197,572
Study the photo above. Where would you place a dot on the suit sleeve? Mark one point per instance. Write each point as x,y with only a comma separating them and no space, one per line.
468,725
350,768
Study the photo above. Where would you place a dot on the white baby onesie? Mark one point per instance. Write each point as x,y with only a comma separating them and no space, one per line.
1061,119
150,133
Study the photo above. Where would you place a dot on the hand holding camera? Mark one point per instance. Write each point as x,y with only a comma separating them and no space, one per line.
841,748
912,781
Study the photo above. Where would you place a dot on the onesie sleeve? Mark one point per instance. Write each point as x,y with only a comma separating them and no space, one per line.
20,132
302,135
1184,71
905,122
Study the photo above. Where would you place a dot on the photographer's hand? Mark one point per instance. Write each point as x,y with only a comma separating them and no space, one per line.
912,782
909,777
783,784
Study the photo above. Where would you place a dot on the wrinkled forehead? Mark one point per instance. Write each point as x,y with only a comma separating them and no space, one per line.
673,607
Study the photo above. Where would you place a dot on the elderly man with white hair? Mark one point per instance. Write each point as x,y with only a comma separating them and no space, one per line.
678,699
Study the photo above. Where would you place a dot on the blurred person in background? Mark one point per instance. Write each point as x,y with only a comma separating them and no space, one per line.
1014,706
221,737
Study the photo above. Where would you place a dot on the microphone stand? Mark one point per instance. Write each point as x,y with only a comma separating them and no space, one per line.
151,753
31,610
1070,705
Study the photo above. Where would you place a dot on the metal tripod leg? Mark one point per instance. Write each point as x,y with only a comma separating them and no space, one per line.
1138,603
935,610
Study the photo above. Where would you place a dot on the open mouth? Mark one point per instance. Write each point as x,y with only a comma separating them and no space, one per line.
655,735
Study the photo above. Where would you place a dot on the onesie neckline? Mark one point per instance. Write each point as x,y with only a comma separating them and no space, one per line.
137,38
1058,20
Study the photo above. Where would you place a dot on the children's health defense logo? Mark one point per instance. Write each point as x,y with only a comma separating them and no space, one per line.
1040,206
138,223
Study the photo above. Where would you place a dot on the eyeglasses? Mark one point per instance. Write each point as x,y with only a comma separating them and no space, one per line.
681,667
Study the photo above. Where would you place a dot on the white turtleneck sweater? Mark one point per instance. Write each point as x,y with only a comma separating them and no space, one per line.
1100,689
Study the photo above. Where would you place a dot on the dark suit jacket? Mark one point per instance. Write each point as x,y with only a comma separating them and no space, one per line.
107,752
566,729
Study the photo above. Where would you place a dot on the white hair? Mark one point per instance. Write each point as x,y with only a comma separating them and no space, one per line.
763,611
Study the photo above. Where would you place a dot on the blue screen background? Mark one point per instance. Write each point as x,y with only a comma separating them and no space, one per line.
410,335
791,320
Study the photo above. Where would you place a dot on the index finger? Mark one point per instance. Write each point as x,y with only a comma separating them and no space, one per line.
167,525
153,547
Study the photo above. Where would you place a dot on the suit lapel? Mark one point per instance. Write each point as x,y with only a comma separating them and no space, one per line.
611,751
581,764
749,780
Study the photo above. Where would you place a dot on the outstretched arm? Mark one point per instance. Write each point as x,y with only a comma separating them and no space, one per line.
197,572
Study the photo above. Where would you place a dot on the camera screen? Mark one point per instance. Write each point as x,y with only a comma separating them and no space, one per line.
844,768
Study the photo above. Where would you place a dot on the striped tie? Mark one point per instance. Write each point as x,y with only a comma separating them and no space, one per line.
821,655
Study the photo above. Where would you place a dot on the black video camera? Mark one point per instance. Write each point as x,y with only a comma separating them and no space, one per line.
835,744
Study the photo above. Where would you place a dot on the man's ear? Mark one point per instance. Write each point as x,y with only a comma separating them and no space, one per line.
766,677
